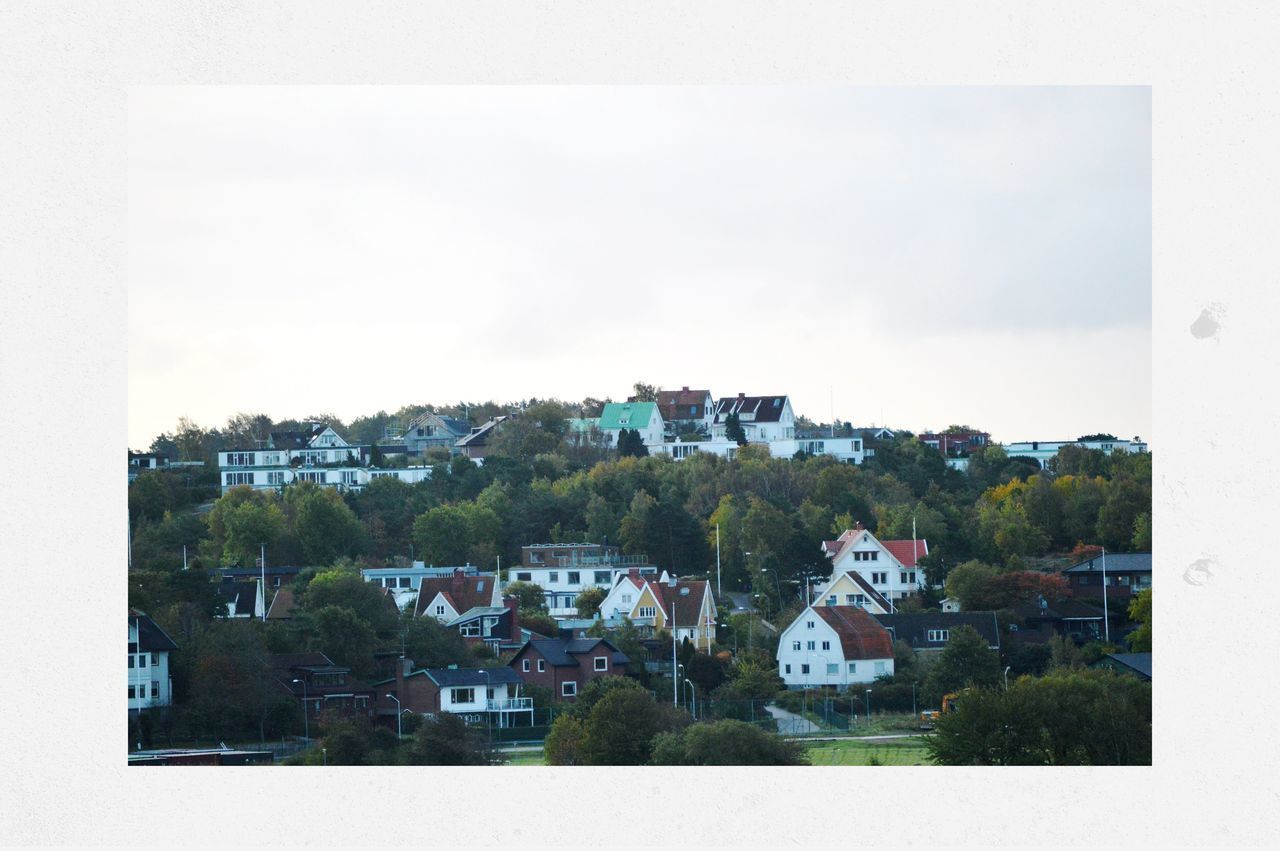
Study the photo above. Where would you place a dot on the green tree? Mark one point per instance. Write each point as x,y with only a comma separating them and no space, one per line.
645,392
1140,612
530,597
726,742
447,740
621,727
240,522
323,524
966,662
631,444
733,430
346,639
966,582
589,601
563,745
442,535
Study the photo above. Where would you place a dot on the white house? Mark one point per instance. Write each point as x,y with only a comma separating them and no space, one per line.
890,567
686,608
841,448
317,454
763,418
643,417
834,646
445,598
149,647
849,588
1043,450
404,582
686,410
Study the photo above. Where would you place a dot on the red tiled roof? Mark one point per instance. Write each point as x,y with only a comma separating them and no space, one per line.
687,606
861,635
462,592
907,551
281,605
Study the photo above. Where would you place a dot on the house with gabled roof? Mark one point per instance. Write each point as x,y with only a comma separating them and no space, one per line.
150,684
282,605
475,444
498,627
429,431
642,417
1126,575
320,686
891,567
763,418
566,665
479,695
929,632
241,599
446,597
686,608
834,647
686,410
849,588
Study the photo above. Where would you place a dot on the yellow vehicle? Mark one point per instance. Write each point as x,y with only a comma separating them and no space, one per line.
930,716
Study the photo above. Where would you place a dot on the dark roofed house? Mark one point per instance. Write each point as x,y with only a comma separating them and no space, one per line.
1136,664
475,443
150,685
429,430
1078,619
686,410
930,631
762,418
241,599
565,665
1128,574
447,597
321,686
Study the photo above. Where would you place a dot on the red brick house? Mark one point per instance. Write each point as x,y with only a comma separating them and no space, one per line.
473,693
566,665
322,687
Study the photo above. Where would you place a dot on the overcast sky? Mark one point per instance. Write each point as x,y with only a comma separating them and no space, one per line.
920,257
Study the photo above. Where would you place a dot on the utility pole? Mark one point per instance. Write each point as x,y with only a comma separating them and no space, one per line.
263,589
1106,617
717,559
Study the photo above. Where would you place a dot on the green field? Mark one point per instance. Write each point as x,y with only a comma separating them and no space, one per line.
525,758
854,752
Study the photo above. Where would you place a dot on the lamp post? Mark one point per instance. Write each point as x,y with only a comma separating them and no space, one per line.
868,706
1106,617
914,714
695,699
306,720
679,676
488,685
399,728
1006,677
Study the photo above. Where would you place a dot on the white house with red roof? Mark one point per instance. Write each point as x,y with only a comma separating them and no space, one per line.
685,607
835,647
891,568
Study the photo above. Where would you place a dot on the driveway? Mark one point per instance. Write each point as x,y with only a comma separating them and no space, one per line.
789,723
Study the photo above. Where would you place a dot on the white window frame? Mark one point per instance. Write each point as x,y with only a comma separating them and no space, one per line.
569,688
542,665
525,666
601,663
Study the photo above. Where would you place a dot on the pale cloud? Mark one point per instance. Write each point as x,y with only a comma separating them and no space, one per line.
923,255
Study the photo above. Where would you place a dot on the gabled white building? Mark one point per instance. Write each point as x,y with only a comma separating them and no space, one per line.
891,567
763,418
149,646
446,598
834,647
685,608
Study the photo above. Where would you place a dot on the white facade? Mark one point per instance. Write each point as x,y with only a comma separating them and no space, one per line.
810,655
1043,450
624,415
563,584
244,468
871,560
841,448
149,682
759,426
842,590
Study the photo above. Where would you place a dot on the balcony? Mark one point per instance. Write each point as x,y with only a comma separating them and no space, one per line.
509,704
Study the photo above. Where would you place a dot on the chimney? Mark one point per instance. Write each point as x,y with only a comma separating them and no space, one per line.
685,389
859,526
512,605
742,395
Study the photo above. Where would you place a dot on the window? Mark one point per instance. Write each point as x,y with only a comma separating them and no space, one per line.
542,665
569,689
575,577
810,646
646,612
795,645
804,669
831,601
1123,580
349,477
524,577
939,635
826,645
404,582
439,610
155,689
809,624
142,661
602,577
786,669
860,598
276,478
525,665
239,478
879,667
131,658
155,658
553,576
833,668
602,663
464,695
849,599
131,695
626,598
853,667
911,577
880,578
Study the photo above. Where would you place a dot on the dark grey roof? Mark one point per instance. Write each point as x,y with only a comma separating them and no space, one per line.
458,427
151,638
472,676
767,409
252,572
559,651
914,628
1116,563
242,594
1140,662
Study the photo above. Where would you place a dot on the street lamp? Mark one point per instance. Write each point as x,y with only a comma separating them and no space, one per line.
868,706
679,676
399,728
306,718
488,686
1006,677
914,714
695,699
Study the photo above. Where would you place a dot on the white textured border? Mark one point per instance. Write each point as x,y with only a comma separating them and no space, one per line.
67,68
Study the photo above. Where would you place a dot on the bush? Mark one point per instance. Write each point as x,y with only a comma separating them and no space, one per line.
726,743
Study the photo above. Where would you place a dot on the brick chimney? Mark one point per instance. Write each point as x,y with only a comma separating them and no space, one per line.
742,395
512,605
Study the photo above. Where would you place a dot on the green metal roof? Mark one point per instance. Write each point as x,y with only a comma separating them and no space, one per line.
583,424
619,415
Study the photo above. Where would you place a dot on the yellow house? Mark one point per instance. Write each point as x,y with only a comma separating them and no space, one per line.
686,608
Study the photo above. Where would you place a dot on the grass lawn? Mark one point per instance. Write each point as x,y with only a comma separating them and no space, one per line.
525,758
854,752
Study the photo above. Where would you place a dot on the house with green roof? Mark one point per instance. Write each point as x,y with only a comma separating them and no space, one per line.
640,416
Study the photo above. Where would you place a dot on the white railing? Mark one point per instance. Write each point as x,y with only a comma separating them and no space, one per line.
509,703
